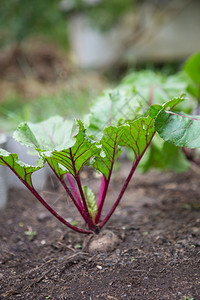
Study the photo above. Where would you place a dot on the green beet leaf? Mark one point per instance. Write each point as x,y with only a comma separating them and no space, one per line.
62,143
164,156
114,107
174,102
72,159
137,135
156,108
110,145
52,134
90,200
22,170
154,87
182,130
192,68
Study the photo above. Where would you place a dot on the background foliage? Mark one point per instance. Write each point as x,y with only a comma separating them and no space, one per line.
20,19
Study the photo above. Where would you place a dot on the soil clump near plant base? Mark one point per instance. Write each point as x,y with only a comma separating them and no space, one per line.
105,241
158,222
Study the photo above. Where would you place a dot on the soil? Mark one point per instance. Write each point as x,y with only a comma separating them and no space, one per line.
158,257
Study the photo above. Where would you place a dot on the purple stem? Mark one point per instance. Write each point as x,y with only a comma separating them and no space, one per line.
102,196
80,209
151,94
75,191
135,164
53,212
102,188
180,115
48,207
120,194
90,223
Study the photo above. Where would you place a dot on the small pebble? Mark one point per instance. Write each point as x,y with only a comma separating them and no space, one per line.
43,216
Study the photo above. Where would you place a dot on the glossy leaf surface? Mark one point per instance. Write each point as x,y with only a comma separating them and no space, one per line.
110,150
137,135
52,134
179,129
73,159
22,170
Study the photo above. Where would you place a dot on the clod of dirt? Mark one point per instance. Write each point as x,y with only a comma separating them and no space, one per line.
106,241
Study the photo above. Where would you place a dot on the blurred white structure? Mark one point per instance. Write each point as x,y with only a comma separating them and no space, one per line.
155,31
168,34
92,48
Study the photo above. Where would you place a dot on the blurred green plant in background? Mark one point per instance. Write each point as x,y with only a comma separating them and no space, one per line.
21,19
16,109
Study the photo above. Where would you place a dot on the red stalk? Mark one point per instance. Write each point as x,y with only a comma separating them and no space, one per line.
135,164
53,212
75,191
48,207
102,196
90,223
79,208
151,95
104,188
120,194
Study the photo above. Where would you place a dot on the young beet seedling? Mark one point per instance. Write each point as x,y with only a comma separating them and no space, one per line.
67,148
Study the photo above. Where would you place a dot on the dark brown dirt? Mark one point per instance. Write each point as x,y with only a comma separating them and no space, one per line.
158,222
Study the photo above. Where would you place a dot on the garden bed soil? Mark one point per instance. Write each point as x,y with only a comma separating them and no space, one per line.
157,221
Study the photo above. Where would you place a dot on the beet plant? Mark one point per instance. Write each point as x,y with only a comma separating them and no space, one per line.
178,128
67,147
155,87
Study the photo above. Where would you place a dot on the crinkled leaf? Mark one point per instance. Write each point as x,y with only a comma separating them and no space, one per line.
112,108
52,134
22,170
153,84
137,135
110,146
62,143
155,108
181,130
75,157
90,200
174,102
